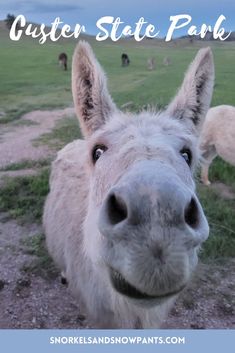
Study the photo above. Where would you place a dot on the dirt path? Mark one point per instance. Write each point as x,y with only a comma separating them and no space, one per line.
16,141
29,299
223,190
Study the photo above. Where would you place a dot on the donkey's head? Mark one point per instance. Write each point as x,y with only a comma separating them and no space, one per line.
144,223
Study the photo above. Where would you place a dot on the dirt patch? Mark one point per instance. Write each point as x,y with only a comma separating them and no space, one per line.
28,300
16,141
16,173
223,190
209,300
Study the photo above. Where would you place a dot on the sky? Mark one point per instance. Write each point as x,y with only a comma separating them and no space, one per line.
87,12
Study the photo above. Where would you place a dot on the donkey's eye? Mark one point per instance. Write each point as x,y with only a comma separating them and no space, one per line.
187,155
98,151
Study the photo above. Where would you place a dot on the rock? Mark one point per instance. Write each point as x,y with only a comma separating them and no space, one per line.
2,284
23,282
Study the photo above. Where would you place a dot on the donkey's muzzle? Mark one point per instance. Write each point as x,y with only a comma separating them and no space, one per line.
153,225
152,198
119,209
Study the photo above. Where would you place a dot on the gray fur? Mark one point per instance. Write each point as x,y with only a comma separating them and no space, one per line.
133,211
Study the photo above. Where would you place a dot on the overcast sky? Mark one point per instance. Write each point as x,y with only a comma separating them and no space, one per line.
87,12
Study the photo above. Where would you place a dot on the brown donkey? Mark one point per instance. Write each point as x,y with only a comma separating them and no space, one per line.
63,60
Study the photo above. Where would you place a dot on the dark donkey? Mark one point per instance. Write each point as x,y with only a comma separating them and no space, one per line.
125,60
63,58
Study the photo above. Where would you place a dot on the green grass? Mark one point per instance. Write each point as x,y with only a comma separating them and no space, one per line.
23,197
27,164
65,131
30,76
42,264
220,215
14,114
223,172
32,79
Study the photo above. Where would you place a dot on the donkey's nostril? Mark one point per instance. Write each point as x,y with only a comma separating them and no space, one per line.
191,214
117,209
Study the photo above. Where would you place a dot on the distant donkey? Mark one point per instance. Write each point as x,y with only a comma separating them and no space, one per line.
151,64
63,59
217,138
122,219
166,61
125,59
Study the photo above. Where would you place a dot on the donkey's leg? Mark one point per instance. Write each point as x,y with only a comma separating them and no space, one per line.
207,157
204,174
63,278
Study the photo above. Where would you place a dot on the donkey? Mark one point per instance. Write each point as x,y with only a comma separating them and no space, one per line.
125,59
122,219
217,138
151,64
166,61
63,59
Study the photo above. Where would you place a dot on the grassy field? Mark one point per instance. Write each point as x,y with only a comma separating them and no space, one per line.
31,79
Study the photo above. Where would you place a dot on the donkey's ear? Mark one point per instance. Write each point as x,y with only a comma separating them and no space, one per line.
194,96
92,101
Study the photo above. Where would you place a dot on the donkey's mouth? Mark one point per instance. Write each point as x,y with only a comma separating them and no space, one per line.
125,288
